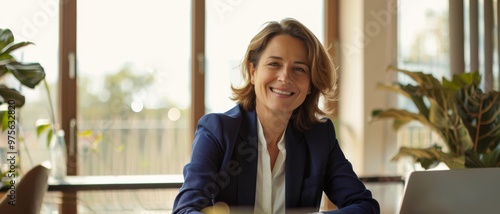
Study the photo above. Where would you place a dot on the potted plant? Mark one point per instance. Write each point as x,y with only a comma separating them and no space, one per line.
30,75
27,74
465,118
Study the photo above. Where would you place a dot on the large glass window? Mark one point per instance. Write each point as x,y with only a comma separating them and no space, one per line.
423,45
229,27
423,36
134,95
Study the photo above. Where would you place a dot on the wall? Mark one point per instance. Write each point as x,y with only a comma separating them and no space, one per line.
367,35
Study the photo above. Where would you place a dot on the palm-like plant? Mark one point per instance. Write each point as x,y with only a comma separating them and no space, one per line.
467,120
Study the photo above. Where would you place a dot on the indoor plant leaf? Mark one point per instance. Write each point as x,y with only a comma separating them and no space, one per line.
3,69
429,157
438,116
472,160
422,79
11,94
13,47
29,74
412,92
6,37
40,128
401,117
464,117
449,126
491,159
460,80
417,98
4,120
481,115
5,59
49,137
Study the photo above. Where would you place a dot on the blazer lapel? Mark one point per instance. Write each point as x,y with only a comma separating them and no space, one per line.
246,155
296,152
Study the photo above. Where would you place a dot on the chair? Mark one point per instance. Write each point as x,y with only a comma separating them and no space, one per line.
29,192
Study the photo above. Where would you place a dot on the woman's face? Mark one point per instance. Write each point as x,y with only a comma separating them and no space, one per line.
282,77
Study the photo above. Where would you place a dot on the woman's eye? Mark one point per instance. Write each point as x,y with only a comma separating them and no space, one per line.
273,64
300,69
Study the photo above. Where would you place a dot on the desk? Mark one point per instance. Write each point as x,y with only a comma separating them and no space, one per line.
70,185
118,182
382,179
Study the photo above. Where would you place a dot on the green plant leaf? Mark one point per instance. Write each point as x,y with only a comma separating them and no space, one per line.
8,49
11,94
429,157
49,137
3,69
492,159
472,160
6,37
438,116
463,136
461,80
422,79
415,94
4,116
6,59
480,113
29,74
40,128
427,86
401,117
397,88
16,46
85,133
467,119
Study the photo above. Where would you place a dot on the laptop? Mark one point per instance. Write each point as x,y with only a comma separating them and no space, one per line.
452,192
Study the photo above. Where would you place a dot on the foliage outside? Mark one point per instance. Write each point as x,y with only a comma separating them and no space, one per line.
466,118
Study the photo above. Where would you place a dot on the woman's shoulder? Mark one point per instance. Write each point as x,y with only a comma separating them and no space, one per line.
230,117
324,124
320,131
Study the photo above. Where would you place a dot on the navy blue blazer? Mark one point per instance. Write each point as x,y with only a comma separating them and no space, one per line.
223,167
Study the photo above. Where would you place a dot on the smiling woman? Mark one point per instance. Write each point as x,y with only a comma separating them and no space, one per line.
285,156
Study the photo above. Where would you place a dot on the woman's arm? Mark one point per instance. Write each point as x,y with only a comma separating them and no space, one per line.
342,185
200,173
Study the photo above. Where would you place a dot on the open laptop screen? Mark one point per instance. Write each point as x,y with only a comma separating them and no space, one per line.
453,191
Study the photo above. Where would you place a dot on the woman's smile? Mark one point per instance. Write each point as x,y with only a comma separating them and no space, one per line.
283,92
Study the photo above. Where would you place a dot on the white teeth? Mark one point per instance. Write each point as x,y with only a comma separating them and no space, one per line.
281,92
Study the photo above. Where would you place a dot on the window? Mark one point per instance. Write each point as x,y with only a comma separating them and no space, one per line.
423,45
134,92
423,33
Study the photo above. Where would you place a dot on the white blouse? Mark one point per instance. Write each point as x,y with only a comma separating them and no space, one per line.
270,185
